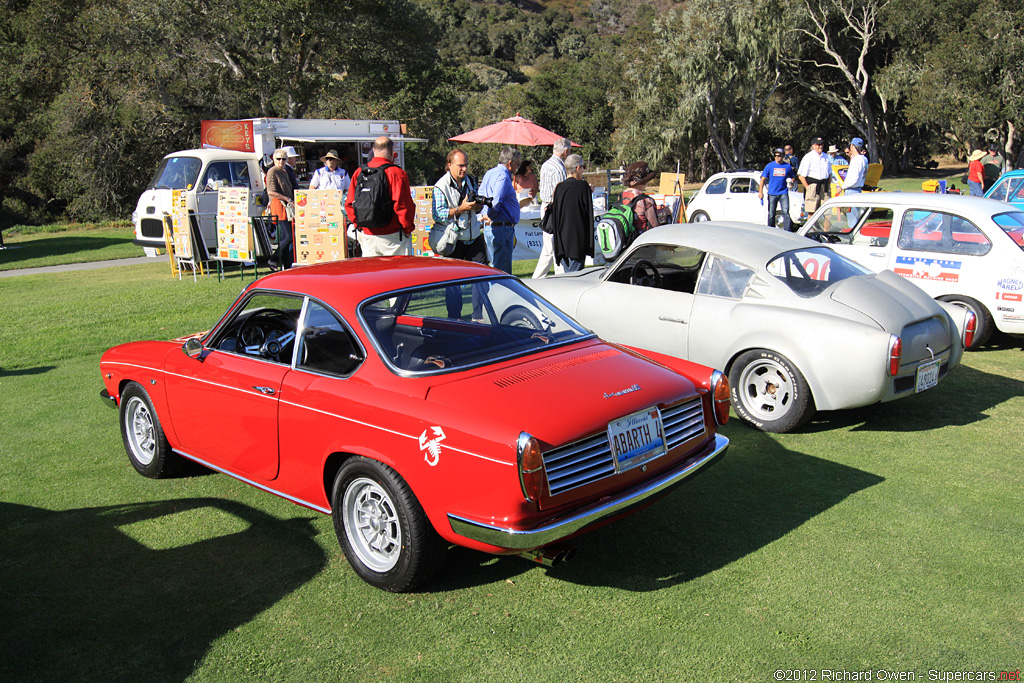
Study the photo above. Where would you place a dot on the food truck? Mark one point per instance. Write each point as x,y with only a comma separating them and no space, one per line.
230,157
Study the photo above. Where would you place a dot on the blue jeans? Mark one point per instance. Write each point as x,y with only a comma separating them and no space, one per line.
500,242
781,201
570,265
976,190
855,211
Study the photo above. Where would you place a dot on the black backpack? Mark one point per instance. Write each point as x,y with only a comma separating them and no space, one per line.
372,204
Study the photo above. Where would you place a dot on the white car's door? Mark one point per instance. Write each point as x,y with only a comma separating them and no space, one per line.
864,232
710,200
742,204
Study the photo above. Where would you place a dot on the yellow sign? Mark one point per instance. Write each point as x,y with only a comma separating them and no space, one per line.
180,227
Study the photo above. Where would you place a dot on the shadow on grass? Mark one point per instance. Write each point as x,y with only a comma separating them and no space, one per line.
85,600
756,494
42,369
63,246
962,398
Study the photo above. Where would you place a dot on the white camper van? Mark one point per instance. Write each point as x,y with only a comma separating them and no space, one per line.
230,157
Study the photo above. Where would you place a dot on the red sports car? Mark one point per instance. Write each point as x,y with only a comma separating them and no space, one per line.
421,402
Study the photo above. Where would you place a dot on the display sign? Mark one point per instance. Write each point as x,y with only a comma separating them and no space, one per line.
423,197
320,224
236,135
180,228
234,232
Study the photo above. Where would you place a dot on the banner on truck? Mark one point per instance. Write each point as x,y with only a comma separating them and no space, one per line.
236,135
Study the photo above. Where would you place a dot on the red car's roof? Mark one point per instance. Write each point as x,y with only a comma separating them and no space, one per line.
364,277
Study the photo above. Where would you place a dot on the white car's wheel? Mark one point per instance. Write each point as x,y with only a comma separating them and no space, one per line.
699,217
382,528
982,316
769,392
143,437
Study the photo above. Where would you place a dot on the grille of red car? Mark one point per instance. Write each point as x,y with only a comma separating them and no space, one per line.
586,461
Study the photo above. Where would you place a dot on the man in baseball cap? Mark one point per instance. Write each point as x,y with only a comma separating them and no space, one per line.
814,174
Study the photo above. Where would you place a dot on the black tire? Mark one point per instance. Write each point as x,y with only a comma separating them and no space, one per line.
699,217
985,325
783,409
143,437
382,528
517,316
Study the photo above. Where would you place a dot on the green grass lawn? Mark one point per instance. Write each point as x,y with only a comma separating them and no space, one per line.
63,244
885,538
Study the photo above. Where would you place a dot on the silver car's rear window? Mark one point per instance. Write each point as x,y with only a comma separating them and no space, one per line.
809,272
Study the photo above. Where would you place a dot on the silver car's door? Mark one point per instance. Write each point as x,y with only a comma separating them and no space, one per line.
722,285
646,299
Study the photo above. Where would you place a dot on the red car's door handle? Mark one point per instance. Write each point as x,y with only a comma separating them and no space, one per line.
264,390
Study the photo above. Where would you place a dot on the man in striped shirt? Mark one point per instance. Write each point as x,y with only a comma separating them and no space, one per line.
552,172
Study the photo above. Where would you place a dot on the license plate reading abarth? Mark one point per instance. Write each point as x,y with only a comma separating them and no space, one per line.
636,438
927,375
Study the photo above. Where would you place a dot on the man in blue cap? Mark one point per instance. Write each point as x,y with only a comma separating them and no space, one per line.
776,174
855,176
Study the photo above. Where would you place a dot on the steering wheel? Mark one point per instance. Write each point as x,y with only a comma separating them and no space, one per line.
824,237
266,334
644,274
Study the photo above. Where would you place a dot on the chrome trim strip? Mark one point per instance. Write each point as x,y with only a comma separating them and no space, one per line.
519,539
297,501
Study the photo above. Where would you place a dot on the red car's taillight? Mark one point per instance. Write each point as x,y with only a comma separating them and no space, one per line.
720,394
895,354
970,327
532,476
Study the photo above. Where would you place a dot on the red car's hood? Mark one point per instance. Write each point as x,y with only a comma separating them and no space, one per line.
563,396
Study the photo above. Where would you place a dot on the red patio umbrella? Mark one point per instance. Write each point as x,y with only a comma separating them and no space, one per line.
512,131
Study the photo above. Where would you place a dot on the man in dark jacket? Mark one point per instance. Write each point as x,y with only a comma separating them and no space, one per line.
573,213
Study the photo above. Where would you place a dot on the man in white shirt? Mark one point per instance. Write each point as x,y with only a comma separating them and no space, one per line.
552,172
330,176
813,174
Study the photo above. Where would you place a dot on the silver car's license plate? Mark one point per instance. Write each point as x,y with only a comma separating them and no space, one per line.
927,375
636,438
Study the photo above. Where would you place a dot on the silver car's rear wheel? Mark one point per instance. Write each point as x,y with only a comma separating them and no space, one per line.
769,392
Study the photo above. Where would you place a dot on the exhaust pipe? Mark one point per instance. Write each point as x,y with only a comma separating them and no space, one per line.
549,557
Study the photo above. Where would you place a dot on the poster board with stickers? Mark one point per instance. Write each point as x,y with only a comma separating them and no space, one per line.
181,235
423,197
320,224
234,232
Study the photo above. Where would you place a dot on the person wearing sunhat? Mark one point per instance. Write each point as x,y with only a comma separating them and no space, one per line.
330,176
635,178
975,173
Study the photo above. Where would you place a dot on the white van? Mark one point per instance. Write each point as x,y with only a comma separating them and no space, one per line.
231,156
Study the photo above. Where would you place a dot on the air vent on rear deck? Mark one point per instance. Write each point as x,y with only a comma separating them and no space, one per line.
553,367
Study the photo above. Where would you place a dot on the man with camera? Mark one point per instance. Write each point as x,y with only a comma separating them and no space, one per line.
456,232
502,214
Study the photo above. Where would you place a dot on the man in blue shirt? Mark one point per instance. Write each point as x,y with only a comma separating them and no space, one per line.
500,218
777,174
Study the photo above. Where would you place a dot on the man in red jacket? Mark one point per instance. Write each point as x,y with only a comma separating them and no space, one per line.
392,238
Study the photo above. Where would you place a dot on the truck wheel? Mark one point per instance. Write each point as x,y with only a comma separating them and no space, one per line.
981,314
769,392
382,528
144,439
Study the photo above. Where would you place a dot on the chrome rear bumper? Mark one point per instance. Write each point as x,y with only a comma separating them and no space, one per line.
579,520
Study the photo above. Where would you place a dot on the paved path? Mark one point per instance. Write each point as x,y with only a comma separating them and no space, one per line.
91,265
